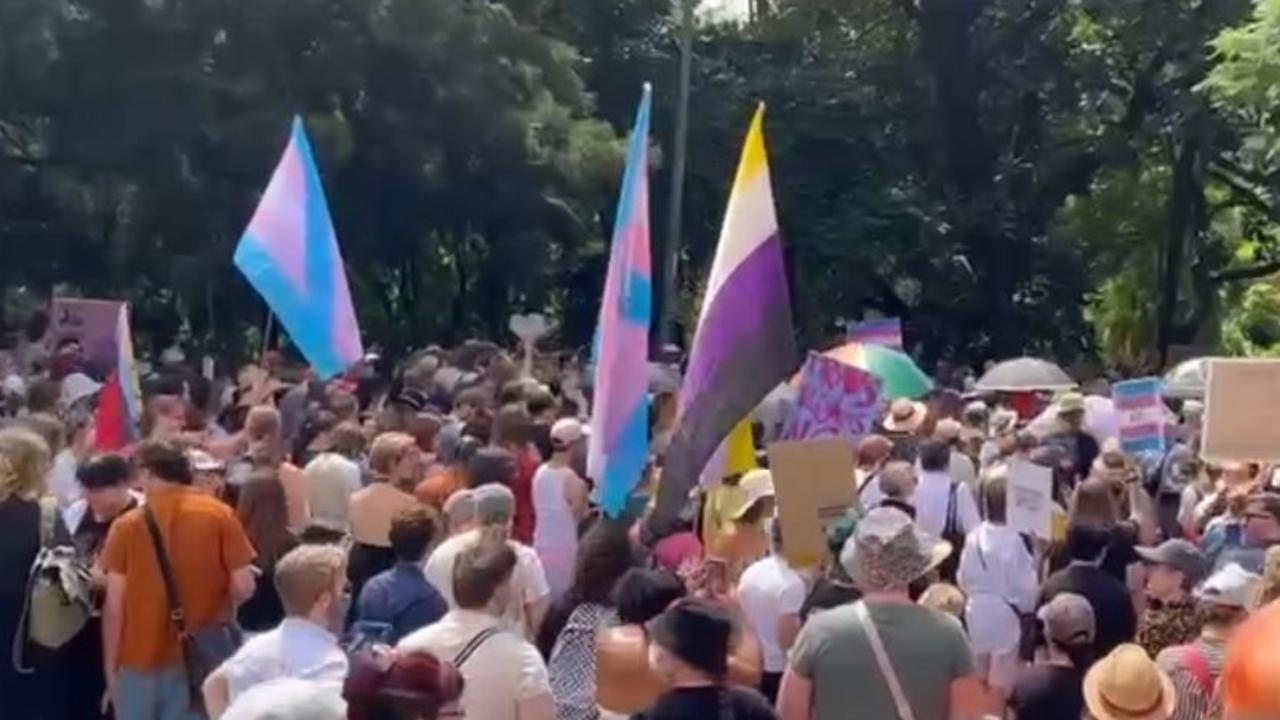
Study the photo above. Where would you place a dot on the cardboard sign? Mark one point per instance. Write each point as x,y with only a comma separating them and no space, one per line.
1030,499
92,323
813,481
1141,413
836,400
1242,411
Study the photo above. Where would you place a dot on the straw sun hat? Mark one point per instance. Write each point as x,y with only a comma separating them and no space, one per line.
1128,685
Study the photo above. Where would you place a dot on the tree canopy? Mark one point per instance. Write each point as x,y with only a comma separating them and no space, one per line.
1085,179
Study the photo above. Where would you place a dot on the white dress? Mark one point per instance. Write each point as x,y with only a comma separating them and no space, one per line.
997,573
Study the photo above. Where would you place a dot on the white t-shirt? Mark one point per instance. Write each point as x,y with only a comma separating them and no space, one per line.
767,590
289,699
932,496
528,581
502,671
296,649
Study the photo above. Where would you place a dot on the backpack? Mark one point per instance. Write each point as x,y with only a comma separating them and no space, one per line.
58,600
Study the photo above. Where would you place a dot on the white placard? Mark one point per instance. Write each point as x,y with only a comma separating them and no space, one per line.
1029,502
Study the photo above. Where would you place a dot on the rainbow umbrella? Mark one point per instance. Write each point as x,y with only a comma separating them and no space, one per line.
899,375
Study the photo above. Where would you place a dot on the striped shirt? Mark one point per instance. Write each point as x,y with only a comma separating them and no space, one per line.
1195,701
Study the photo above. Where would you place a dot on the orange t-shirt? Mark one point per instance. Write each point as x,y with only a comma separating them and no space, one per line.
205,544
435,490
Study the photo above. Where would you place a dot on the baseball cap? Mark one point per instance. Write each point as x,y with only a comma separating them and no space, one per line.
1232,586
1068,619
566,432
1179,555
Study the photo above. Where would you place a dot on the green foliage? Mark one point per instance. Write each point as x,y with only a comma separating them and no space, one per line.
1253,328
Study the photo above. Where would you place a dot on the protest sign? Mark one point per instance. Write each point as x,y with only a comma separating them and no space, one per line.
1242,411
1030,498
836,400
881,331
1141,413
92,323
813,481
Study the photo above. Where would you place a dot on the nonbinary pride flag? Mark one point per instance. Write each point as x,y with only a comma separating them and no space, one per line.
744,344
620,408
289,253
116,422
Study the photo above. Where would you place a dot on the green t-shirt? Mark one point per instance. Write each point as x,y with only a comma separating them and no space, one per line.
927,649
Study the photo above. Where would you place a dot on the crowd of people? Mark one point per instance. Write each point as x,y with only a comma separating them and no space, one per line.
426,544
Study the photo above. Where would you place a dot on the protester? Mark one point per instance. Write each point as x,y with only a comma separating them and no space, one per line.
688,647
331,481
1225,600
504,674
1052,689
833,588
1112,607
511,432
456,453
263,513
211,560
903,425
961,467
310,581
560,503
998,575
771,594
542,408
746,539
895,488
402,685
872,453
530,597
1169,618
568,637
1261,532
400,600
624,683
1127,685
24,461
1081,447
263,430
1094,516
944,507
459,513
395,461
851,656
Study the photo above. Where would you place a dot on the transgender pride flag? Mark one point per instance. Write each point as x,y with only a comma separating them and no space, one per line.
620,409
290,255
744,345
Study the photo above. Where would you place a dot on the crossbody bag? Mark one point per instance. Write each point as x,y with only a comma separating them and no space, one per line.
203,650
887,672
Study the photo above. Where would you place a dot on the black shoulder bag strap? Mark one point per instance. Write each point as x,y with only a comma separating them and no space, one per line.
952,525
473,645
176,614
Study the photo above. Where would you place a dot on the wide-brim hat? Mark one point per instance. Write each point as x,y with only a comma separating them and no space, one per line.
1128,685
905,416
756,485
888,550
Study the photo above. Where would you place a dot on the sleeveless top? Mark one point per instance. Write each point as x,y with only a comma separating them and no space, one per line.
556,528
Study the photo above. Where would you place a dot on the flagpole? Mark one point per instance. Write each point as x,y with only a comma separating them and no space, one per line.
671,251
266,333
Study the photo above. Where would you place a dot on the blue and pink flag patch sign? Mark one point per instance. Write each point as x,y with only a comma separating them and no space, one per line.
836,400
619,446
289,253
880,331
1141,414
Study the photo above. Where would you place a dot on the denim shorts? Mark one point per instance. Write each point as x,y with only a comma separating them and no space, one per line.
154,695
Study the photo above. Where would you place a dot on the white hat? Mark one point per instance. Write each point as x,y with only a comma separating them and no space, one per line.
78,386
756,485
566,432
1232,586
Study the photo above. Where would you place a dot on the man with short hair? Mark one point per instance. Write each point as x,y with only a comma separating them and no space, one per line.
894,487
505,677
459,513
771,594
1261,531
841,663
311,581
400,599
212,567
530,595
1170,617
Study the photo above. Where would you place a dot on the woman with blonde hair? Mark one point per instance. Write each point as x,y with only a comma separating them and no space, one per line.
24,462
